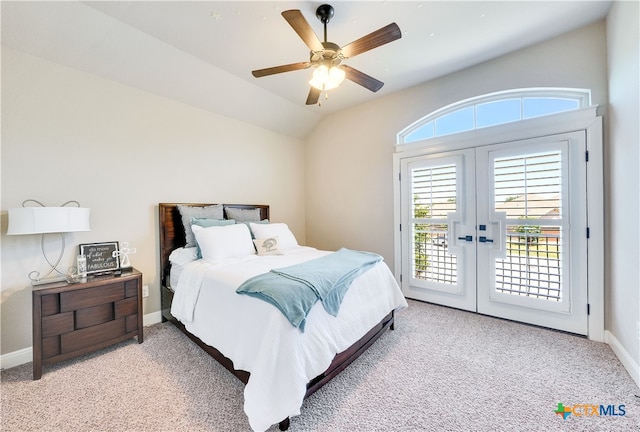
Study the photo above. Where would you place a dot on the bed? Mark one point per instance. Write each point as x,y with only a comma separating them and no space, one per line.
259,363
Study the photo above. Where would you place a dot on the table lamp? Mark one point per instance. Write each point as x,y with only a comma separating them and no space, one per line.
45,220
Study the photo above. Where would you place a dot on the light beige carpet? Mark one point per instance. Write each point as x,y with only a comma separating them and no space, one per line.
440,370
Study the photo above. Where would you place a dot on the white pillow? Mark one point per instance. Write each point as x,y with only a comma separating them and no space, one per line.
183,255
220,242
286,239
267,246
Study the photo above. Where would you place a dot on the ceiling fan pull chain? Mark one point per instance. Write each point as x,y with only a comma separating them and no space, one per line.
326,97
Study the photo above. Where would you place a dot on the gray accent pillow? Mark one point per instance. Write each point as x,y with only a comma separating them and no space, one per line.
243,215
206,222
189,212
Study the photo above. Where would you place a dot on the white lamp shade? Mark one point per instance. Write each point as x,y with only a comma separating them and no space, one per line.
41,220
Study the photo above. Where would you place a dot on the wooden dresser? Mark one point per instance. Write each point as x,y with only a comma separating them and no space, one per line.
73,319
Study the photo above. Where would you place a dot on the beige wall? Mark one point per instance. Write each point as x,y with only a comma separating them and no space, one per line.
349,155
622,188
350,167
68,135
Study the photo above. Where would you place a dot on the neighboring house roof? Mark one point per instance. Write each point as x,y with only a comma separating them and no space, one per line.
533,206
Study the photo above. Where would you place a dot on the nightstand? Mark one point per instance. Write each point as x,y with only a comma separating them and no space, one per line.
73,319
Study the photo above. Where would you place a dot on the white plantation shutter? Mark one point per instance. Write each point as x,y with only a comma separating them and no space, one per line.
528,188
434,195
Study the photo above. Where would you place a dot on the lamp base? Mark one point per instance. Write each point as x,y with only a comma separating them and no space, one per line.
48,280
34,276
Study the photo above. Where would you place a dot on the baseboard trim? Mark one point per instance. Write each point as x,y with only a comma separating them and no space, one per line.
152,318
16,358
623,355
25,355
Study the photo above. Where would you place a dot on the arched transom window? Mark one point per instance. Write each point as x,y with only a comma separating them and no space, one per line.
494,109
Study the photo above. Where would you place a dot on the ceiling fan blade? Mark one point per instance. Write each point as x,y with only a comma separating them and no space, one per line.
301,26
362,78
280,69
314,95
373,40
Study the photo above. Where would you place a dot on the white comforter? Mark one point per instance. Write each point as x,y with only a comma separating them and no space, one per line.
259,339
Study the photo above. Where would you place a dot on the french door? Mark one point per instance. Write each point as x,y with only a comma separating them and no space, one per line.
499,229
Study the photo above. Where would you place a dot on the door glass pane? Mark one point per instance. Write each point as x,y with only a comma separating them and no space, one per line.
528,188
434,196
532,265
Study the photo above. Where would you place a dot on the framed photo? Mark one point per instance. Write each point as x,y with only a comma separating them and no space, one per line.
101,257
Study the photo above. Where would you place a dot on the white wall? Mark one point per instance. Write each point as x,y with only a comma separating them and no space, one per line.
349,155
622,187
68,135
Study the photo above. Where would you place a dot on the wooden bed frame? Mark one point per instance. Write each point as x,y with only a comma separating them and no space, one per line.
172,237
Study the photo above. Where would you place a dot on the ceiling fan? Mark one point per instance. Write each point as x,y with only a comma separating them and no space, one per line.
326,56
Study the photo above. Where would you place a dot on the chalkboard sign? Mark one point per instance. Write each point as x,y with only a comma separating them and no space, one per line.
101,257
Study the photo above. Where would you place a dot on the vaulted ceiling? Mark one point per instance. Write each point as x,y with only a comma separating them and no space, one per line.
202,53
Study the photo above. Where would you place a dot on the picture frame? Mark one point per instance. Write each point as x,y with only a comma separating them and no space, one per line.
101,257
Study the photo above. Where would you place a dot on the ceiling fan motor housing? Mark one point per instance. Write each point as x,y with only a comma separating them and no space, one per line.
324,13
330,54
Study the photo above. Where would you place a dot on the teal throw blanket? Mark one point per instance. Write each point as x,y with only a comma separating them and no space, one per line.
295,289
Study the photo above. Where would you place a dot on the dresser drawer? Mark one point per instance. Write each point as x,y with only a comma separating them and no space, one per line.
95,315
131,288
50,347
89,336
89,297
131,324
126,307
50,304
56,324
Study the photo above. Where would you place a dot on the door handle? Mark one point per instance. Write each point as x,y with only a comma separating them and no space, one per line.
466,238
493,233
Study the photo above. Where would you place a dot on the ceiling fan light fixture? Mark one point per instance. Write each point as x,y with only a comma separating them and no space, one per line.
325,57
325,78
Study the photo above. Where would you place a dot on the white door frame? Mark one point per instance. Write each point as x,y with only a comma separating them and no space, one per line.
585,119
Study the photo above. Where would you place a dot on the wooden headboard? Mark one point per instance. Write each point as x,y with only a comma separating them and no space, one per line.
172,232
